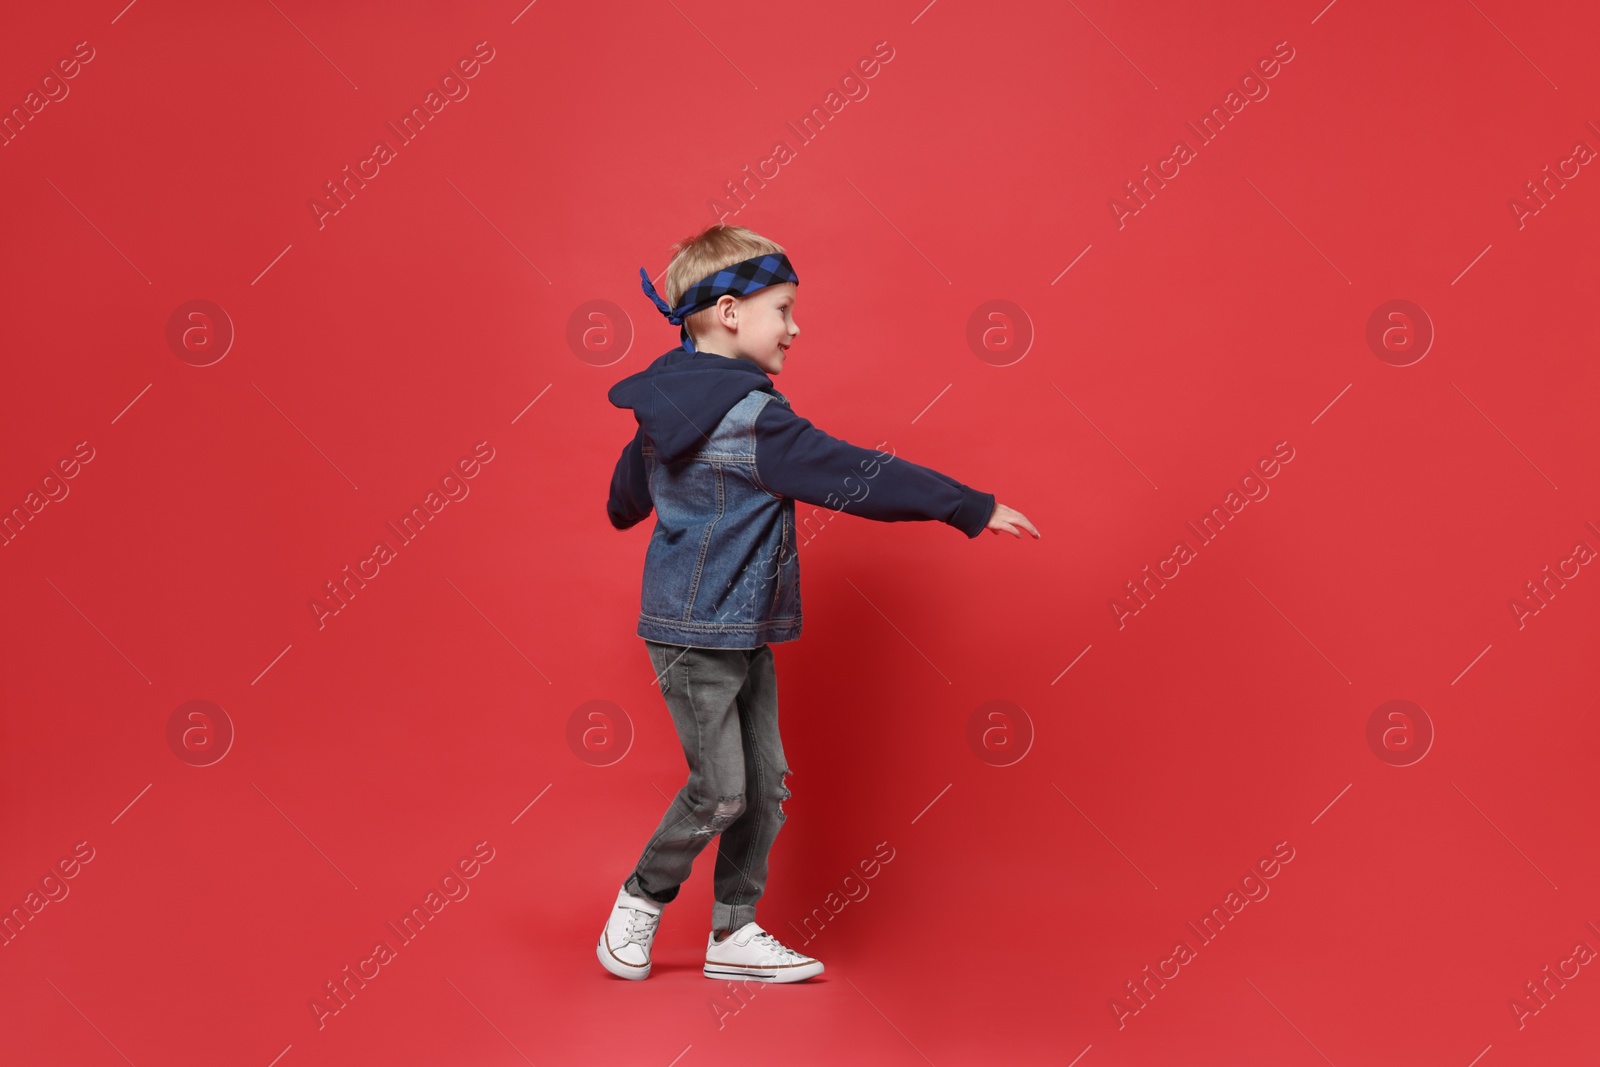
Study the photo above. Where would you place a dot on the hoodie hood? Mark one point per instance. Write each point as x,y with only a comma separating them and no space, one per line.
682,396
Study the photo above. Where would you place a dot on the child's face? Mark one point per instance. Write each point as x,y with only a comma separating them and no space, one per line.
767,326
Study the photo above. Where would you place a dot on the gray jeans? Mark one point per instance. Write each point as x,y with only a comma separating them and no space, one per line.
724,704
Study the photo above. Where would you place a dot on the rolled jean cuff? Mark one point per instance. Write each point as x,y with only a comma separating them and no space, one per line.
633,888
730,917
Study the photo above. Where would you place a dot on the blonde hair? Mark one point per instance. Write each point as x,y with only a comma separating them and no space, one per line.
702,255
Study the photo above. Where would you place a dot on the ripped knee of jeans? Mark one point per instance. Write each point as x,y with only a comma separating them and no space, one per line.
727,810
783,793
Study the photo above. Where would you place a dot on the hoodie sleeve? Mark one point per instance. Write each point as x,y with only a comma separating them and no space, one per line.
795,459
630,489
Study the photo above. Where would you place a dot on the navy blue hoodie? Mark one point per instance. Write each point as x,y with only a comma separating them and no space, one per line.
681,397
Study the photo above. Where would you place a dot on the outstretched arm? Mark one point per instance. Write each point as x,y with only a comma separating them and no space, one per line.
630,499
795,459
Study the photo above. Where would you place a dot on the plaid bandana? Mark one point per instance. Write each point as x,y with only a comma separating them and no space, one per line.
740,279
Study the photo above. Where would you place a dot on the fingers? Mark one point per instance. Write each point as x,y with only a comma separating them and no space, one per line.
1008,520
1014,519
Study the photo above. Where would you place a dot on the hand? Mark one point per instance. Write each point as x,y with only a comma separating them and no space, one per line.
1009,520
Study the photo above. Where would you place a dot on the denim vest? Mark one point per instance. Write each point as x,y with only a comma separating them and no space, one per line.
722,569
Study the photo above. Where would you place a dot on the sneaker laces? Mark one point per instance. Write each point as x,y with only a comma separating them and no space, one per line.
641,927
776,946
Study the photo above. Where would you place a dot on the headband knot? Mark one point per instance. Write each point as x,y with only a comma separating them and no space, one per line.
739,279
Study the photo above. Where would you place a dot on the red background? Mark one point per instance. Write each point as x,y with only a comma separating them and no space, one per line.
375,350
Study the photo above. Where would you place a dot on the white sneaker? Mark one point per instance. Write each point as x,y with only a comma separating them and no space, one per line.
752,954
624,946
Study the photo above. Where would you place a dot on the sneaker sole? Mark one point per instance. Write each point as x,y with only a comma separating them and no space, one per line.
759,974
621,970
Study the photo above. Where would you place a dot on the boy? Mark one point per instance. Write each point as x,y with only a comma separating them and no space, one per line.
721,459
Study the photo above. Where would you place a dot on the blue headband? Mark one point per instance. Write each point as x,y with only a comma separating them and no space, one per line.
740,279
